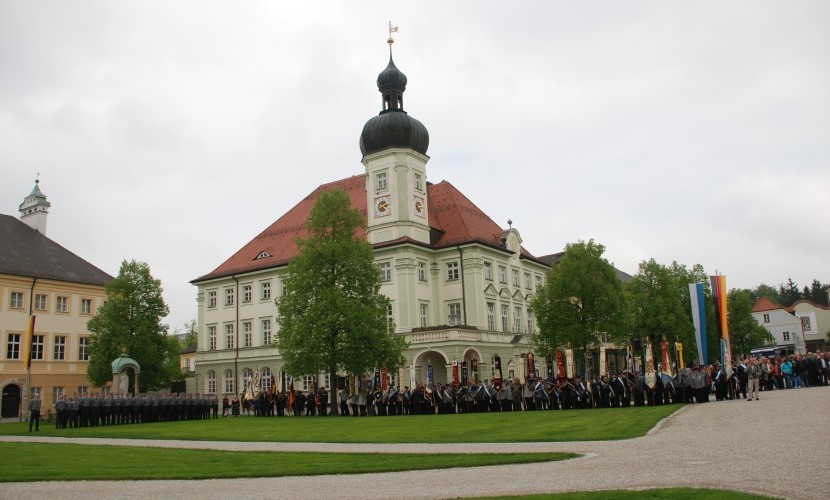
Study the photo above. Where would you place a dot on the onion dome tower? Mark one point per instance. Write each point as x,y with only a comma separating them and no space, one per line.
394,147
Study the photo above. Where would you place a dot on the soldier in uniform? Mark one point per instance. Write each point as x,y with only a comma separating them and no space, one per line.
84,410
60,413
343,400
74,412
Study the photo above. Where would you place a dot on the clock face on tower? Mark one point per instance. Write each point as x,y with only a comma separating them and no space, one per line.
383,206
419,206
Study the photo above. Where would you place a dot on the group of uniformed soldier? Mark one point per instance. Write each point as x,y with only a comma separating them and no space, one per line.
92,410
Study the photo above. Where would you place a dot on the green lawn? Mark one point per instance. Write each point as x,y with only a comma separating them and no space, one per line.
66,462
656,494
570,425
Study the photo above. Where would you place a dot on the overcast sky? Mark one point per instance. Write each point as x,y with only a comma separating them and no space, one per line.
173,132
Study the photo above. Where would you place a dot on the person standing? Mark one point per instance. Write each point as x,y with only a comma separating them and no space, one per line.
34,412
753,376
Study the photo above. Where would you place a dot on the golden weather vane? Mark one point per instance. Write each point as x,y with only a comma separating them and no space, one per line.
392,29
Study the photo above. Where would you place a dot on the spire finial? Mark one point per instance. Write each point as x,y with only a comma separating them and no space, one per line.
37,178
390,40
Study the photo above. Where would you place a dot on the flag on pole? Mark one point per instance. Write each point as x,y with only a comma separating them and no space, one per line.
721,314
27,343
531,366
560,365
699,320
498,381
603,366
570,369
665,358
456,378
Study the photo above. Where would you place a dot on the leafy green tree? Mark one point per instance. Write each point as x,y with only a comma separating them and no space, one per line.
191,334
815,293
790,294
130,321
581,298
659,298
745,332
765,291
332,315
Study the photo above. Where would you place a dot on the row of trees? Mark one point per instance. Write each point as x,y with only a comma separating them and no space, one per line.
334,319
584,297
788,294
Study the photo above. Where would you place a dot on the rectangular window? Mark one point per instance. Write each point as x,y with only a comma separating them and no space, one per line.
83,349
424,315
531,327
229,296
265,290
454,314
385,271
86,306
212,337
40,302
505,318
488,271
37,347
308,382
16,300
538,282
211,299
491,316
62,304
13,346
266,331
381,180
57,394
528,284
229,336
211,384
422,271
390,318
418,185
59,351
83,390
247,293
247,334
452,271
229,385
515,274
786,336
766,318
37,391
517,319
502,274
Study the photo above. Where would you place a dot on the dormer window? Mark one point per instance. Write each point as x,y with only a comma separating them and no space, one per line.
262,255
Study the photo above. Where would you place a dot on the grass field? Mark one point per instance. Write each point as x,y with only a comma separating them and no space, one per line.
67,462
570,425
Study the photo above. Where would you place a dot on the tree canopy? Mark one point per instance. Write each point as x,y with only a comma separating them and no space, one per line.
332,315
130,321
745,332
581,298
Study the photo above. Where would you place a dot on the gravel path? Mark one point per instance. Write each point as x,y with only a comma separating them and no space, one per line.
777,446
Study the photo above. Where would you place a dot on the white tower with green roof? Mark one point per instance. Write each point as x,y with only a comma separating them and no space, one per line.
35,209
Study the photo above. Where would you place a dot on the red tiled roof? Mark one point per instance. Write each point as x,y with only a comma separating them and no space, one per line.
453,218
765,304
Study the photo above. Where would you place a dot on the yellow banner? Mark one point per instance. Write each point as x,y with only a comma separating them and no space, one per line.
26,351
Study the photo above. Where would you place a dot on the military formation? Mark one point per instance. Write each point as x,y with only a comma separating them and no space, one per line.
93,410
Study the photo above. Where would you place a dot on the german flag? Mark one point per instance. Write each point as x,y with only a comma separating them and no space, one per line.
27,343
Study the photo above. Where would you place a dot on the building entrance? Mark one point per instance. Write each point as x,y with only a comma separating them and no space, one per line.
11,401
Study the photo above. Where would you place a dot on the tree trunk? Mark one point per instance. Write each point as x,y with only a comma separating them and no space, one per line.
333,391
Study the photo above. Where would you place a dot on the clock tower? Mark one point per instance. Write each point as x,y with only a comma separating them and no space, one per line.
394,147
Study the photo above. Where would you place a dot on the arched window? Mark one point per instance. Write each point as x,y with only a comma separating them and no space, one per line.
247,374
211,382
229,385
265,378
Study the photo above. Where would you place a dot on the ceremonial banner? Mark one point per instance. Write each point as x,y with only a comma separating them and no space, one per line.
651,374
384,379
678,348
474,370
531,366
291,395
603,368
464,373
699,320
560,365
376,380
665,358
400,377
721,314
521,372
569,363
412,377
549,366
497,377
455,375
27,343
429,376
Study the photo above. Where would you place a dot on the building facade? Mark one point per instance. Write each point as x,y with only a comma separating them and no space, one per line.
781,323
460,285
40,278
815,324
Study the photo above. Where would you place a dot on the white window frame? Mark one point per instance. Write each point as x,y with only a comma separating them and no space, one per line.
16,300
517,319
230,385
418,182
505,318
390,317
491,316
385,271
247,293
265,290
766,318
381,181
528,281
265,378
62,304
59,348
83,348
229,336
57,393
422,271
531,324
515,275
211,299
785,336
424,314
86,306
41,302
247,334
503,274
13,342
229,296
488,271
265,325
454,314
212,337
452,271
211,382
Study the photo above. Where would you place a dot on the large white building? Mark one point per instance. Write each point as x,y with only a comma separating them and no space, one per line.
460,285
